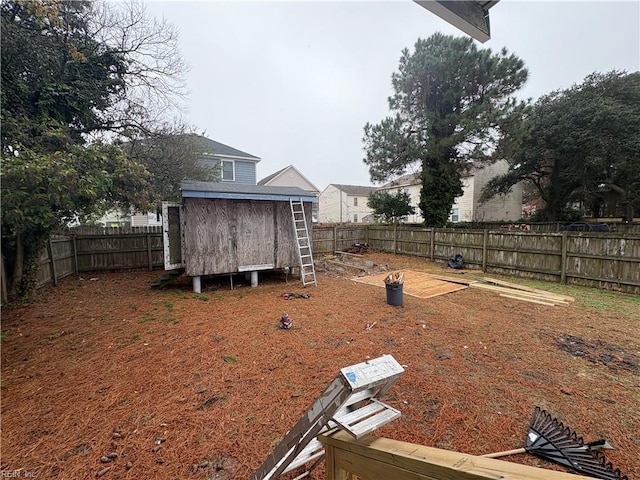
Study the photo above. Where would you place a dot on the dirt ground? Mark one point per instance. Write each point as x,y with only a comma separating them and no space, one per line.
172,384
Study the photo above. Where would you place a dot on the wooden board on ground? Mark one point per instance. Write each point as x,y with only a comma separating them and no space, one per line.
416,284
528,289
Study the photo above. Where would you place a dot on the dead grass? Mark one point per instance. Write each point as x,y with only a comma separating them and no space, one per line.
180,385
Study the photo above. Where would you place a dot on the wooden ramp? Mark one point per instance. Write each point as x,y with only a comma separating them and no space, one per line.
416,284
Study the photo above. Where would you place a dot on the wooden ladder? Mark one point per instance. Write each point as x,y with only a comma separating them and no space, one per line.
303,242
351,403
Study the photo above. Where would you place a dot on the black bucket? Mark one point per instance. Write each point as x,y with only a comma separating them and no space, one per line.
394,293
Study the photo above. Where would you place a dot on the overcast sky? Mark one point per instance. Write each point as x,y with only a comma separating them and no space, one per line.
295,82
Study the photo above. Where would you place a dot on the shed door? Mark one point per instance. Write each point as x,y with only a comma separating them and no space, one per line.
255,236
172,235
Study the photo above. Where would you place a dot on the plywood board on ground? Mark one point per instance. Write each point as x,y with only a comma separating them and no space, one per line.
416,284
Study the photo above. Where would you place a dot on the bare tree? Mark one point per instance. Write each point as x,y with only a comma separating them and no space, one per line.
155,74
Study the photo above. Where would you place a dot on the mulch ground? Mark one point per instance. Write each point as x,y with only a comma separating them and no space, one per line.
103,375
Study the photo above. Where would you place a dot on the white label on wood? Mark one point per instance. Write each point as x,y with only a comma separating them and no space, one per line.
372,371
251,268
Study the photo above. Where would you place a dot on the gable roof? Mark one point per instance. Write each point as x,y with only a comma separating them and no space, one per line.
273,176
222,150
403,181
354,189
268,178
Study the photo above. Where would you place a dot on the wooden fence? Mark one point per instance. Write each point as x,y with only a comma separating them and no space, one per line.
92,249
605,260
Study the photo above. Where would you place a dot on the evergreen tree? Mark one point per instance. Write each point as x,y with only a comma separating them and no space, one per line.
450,104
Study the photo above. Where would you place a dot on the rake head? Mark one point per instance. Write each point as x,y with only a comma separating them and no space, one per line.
548,438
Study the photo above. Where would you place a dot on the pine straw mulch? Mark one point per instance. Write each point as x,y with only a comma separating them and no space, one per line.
178,385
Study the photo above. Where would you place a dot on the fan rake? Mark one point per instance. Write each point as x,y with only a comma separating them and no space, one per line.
550,439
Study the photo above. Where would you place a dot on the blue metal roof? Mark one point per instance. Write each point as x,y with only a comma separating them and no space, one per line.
237,191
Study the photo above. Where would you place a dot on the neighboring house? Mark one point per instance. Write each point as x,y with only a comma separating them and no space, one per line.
344,204
409,183
291,177
467,207
348,203
235,166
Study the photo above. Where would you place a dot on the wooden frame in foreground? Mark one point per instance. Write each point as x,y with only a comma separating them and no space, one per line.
377,458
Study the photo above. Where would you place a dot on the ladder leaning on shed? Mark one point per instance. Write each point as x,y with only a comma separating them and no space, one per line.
303,242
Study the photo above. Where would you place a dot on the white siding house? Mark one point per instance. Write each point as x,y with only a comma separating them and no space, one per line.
467,207
344,204
291,177
409,183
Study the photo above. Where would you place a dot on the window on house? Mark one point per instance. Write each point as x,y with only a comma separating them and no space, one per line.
355,218
455,215
355,201
227,170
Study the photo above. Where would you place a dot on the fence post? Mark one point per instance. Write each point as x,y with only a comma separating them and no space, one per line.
563,266
149,257
335,238
433,244
53,262
485,236
395,238
75,255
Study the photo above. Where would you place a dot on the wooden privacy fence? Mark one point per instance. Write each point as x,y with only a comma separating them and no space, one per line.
605,260
91,249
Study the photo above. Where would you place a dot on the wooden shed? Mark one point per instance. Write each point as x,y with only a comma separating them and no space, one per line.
228,228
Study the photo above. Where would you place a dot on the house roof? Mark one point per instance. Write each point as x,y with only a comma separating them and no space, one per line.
238,191
354,189
268,178
273,176
220,149
403,180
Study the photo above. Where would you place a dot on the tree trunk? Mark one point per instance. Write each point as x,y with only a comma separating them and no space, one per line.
3,280
18,267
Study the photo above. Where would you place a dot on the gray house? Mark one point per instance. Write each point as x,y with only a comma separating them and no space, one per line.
235,165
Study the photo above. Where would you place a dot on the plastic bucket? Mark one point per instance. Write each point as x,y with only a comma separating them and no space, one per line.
394,293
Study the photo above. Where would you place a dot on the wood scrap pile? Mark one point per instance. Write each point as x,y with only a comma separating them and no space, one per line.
394,278
358,248
521,292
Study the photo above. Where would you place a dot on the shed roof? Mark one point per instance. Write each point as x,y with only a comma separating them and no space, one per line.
237,191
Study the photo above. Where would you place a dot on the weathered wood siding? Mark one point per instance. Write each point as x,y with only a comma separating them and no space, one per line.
227,236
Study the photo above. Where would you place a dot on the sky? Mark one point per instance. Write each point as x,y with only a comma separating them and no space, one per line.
294,83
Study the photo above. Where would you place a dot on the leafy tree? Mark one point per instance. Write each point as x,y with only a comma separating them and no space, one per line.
580,146
390,208
43,191
170,158
451,104
70,73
